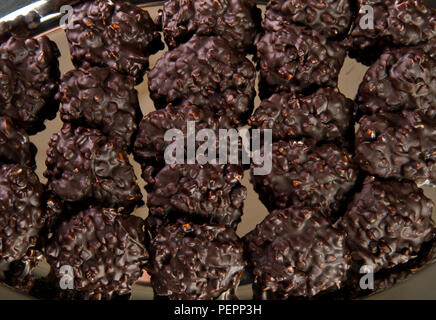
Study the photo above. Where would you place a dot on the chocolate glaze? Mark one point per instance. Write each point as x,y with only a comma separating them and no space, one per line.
116,34
304,174
29,75
15,146
103,99
294,58
205,71
401,146
150,144
326,115
196,261
401,79
296,252
208,193
236,21
396,23
331,18
106,250
387,222
83,165
21,212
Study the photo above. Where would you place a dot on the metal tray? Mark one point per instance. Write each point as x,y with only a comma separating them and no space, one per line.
422,285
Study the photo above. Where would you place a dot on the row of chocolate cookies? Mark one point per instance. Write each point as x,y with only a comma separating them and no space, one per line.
29,76
95,248
302,249
390,222
204,82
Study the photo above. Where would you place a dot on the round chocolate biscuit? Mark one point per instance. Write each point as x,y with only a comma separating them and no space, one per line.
22,215
205,71
387,223
29,76
400,79
326,115
398,145
196,261
103,99
103,251
303,174
115,34
395,23
83,165
236,21
331,18
205,193
295,58
296,252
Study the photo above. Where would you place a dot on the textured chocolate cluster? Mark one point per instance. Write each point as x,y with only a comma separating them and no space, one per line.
296,252
116,34
196,261
332,18
29,76
103,99
105,250
83,165
150,144
236,21
304,174
325,115
396,23
21,212
398,145
401,79
15,146
387,222
205,71
204,193
295,58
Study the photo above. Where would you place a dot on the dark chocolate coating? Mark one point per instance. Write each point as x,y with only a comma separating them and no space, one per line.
21,212
236,21
21,26
196,261
29,76
304,174
387,222
331,18
150,144
84,165
400,79
15,146
295,58
205,71
118,35
207,193
103,99
401,146
106,250
296,252
396,23
325,115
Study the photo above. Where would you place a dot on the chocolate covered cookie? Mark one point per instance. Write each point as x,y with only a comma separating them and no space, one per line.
236,21
296,252
205,71
196,261
115,34
387,223
83,165
102,99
